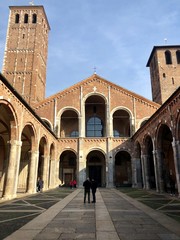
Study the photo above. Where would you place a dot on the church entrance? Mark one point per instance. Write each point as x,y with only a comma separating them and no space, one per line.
95,167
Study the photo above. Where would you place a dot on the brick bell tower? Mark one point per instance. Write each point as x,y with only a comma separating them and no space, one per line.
164,63
25,57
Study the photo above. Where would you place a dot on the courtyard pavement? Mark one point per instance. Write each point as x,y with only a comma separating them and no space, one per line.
62,215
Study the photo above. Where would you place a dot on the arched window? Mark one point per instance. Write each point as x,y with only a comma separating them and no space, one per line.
121,123
168,57
94,127
178,56
26,18
17,18
34,18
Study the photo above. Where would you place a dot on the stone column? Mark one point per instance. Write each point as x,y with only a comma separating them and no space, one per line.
146,172
109,164
18,156
110,171
10,182
81,166
46,171
134,172
33,172
50,177
176,151
156,170
157,156
82,171
143,171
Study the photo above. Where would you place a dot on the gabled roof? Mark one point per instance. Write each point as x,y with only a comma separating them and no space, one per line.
97,78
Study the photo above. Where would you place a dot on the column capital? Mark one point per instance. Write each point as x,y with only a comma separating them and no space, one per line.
15,142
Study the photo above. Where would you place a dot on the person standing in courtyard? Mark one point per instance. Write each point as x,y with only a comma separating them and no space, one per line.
87,187
40,184
93,188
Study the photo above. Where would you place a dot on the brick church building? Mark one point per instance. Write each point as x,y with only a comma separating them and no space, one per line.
94,128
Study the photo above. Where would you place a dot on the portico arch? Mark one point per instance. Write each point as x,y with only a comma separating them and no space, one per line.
96,167
164,147
27,139
68,167
149,164
43,163
8,148
137,166
123,171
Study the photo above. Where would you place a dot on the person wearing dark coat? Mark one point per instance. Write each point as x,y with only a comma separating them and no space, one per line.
87,187
93,188
40,184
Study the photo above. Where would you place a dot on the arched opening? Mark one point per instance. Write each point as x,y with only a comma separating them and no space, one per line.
95,116
17,18
34,18
178,56
123,171
2,162
121,123
7,133
95,167
138,175
42,163
69,124
168,57
25,159
51,166
164,141
68,167
26,18
150,172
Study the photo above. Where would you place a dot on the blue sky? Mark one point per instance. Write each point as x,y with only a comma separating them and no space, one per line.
115,36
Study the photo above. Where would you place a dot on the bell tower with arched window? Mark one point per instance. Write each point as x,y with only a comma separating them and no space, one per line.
26,51
164,63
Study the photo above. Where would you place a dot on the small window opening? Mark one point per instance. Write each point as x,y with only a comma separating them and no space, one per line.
23,35
26,18
168,57
17,18
164,75
178,56
173,81
34,18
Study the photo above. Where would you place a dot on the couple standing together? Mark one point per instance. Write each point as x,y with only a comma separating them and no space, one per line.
87,186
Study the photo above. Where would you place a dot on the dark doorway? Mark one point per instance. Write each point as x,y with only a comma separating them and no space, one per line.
95,173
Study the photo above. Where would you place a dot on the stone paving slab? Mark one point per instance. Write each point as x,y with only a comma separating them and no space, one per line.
115,216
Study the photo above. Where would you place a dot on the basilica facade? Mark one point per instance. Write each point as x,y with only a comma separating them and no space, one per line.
94,128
